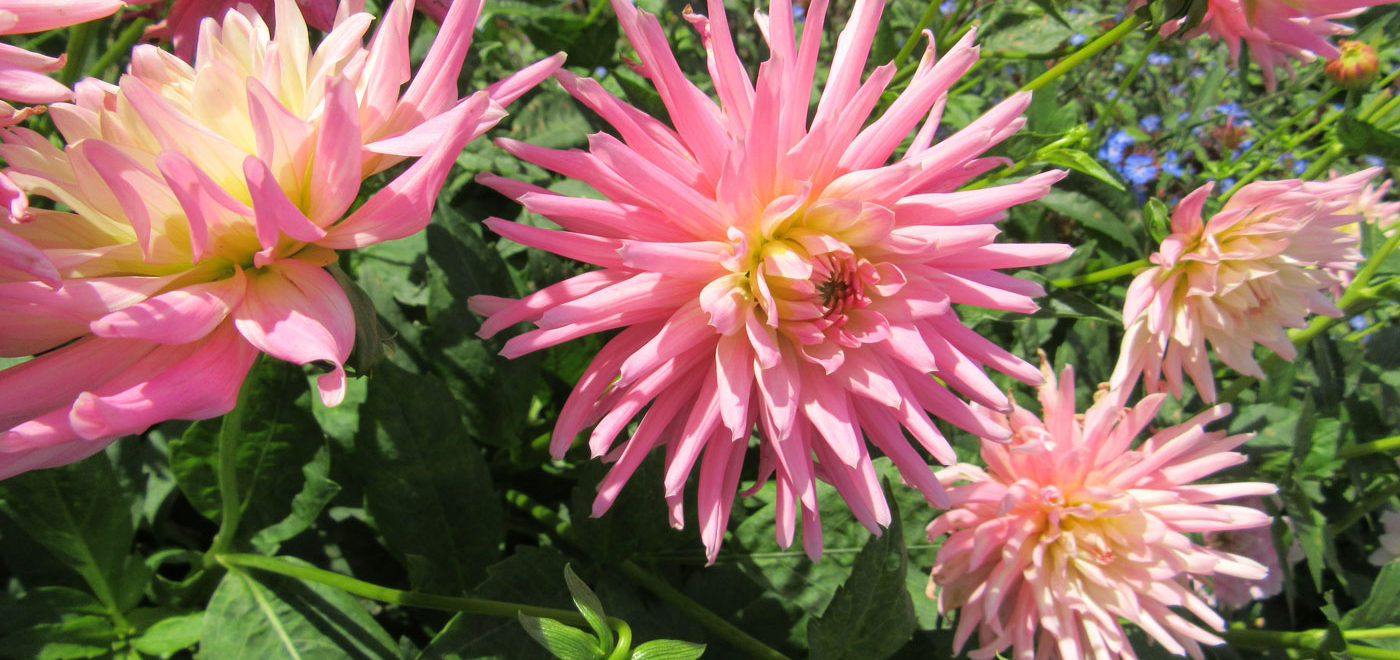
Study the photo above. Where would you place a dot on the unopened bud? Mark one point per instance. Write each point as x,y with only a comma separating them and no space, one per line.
1354,67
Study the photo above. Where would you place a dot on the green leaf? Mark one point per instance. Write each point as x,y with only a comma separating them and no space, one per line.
871,616
1381,608
316,492
276,617
425,483
1079,161
589,605
56,622
169,636
668,649
1091,214
1360,137
565,642
80,514
279,435
528,576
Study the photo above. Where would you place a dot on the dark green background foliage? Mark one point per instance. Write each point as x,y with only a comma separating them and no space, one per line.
434,475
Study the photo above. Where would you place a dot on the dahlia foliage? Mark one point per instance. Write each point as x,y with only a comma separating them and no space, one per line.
775,273
207,201
1262,264
1071,530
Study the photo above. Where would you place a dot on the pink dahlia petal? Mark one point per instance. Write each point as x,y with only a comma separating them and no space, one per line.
206,199
1259,266
773,274
296,312
1068,533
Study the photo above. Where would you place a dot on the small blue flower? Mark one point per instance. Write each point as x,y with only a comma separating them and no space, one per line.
1150,123
1077,38
600,72
798,12
1171,164
1232,109
1357,322
1120,139
1374,161
1197,72
1118,67
948,7
1139,168
1112,94
1227,183
1300,166
1245,144
1159,59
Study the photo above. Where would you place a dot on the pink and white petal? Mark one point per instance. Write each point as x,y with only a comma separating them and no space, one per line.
176,317
296,312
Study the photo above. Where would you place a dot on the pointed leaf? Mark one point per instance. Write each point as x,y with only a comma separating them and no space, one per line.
565,642
588,604
668,649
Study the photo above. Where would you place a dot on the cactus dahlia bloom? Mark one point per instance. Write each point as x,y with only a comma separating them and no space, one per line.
1258,267
1276,30
776,273
22,72
205,202
1070,530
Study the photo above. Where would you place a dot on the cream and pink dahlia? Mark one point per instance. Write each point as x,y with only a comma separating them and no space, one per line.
1071,530
1259,266
1277,31
23,74
771,272
205,202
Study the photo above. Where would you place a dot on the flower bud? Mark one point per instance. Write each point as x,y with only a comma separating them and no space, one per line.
1355,67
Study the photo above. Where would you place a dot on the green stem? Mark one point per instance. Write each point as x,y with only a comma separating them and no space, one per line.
1372,447
413,598
80,42
1085,52
1271,135
1371,652
120,47
1100,275
707,619
1311,639
1123,84
1373,633
913,40
712,622
230,505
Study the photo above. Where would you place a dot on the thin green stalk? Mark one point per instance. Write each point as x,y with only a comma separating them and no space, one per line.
1372,447
1373,633
412,598
712,622
913,40
1275,133
1311,639
941,34
120,47
1372,653
1123,84
230,504
1100,275
700,614
80,42
1085,52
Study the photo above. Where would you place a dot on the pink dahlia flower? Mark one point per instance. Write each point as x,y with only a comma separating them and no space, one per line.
1070,530
1258,267
1256,543
1276,30
205,201
22,73
776,273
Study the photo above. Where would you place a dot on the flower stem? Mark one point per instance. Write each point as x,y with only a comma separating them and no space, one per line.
1276,132
1085,52
230,503
80,42
913,40
1100,275
709,620
120,47
1373,447
411,598
712,622
1312,639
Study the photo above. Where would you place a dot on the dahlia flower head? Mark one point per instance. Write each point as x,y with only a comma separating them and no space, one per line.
1259,266
1071,530
774,274
1277,31
23,73
206,201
